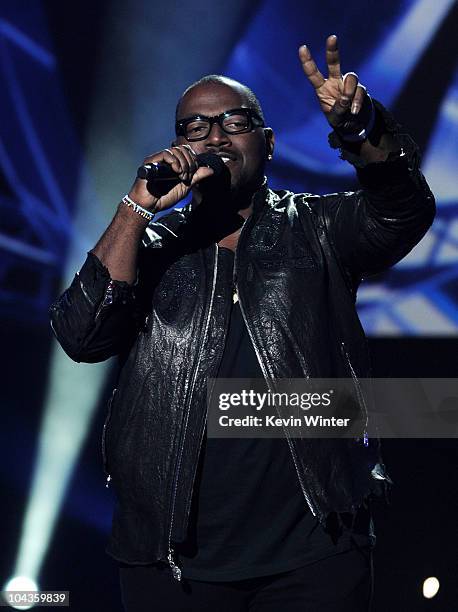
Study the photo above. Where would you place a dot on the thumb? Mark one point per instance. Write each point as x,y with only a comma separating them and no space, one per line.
201,174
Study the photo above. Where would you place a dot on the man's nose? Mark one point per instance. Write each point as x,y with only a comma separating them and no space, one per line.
217,135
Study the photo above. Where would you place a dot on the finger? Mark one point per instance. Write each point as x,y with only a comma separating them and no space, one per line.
164,156
332,57
343,103
190,149
202,173
310,68
184,165
350,83
187,174
177,193
173,160
358,99
190,157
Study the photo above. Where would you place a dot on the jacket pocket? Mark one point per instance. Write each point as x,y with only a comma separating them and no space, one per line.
104,434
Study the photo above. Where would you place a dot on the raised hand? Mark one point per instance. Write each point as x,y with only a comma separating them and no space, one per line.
337,94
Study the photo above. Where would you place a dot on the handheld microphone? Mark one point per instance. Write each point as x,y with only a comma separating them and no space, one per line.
158,172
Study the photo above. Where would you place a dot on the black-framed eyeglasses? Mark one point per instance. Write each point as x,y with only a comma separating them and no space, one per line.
234,121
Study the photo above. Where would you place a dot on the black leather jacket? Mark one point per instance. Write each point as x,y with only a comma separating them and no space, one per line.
299,260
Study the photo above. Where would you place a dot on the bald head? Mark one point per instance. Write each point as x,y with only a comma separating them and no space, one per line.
247,95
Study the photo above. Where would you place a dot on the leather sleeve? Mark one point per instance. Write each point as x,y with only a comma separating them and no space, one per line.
93,318
375,227
98,317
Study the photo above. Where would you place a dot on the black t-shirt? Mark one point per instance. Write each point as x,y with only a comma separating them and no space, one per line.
249,517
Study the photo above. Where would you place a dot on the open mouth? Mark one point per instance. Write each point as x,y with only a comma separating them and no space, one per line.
226,158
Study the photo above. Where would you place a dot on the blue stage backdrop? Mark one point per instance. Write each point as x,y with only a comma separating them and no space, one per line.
418,296
401,53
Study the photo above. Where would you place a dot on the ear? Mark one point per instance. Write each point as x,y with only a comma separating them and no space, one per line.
270,142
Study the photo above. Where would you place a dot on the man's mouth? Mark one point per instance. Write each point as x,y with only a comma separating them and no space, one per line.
226,157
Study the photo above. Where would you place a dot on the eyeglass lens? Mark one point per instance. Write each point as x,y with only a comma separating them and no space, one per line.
232,124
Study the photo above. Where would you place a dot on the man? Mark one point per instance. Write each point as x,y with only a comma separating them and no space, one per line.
242,282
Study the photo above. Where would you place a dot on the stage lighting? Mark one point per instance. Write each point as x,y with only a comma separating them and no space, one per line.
21,583
430,587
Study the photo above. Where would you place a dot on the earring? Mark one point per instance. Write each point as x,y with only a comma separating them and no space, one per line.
269,157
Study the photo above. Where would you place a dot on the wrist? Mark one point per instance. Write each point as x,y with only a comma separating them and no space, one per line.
147,201
128,216
384,136
135,210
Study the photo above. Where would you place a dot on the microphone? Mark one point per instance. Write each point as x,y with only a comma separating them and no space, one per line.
158,172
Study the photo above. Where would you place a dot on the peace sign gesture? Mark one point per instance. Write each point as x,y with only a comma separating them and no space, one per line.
337,94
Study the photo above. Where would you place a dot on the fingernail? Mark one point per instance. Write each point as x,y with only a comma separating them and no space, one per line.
355,108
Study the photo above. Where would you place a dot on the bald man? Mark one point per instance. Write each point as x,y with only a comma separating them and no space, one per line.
242,282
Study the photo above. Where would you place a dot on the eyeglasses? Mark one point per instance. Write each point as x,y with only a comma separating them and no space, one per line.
234,121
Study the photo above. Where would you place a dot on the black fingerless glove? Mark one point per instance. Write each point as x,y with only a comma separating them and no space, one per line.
370,124
356,128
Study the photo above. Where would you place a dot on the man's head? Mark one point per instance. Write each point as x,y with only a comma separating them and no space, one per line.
246,153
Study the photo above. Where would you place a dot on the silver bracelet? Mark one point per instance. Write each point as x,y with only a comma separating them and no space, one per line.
146,214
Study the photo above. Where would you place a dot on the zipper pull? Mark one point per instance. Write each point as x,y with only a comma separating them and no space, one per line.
176,571
107,299
108,481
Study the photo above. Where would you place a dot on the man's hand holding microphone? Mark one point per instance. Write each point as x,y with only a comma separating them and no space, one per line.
169,175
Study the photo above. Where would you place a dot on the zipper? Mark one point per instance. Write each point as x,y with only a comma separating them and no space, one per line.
307,497
107,299
359,392
104,430
85,293
176,571
212,389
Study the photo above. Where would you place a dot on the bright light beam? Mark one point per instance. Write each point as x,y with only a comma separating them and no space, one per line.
73,390
70,404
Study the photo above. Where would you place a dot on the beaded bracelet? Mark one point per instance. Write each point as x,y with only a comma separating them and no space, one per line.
146,214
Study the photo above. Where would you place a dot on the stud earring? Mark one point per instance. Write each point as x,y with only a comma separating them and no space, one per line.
269,157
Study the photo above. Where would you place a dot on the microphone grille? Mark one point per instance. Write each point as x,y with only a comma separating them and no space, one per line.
212,161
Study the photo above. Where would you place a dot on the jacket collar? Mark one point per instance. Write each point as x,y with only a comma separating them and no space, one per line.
260,197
